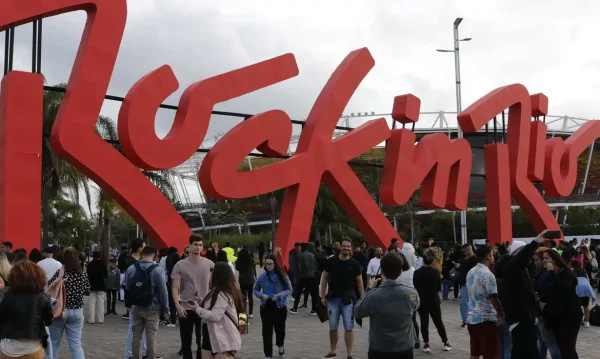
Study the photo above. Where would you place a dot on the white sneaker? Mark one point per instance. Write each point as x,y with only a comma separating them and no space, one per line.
250,316
586,324
171,325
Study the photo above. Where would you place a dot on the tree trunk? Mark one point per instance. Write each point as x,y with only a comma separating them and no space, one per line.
106,237
45,213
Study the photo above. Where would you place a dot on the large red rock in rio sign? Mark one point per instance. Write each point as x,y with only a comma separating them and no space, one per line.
440,165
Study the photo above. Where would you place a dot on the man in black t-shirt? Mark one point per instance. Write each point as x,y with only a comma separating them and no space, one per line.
342,275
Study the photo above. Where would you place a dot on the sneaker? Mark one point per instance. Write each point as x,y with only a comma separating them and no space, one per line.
250,316
456,299
180,352
447,347
162,322
417,344
125,317
349,357
586,324
281,351
313,312
303,306
463,326
330,355
171,325
91,322
293,311
426,348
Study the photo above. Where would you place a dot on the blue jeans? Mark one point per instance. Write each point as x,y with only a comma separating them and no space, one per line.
505,342
546,341
335,308
72,324
446,284
48,350
464,303
129,340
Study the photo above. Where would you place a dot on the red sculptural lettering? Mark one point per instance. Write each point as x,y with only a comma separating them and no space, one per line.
441,166
317,158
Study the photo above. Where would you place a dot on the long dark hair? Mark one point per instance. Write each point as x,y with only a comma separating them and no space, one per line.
223,281
71,261
277,269
244,258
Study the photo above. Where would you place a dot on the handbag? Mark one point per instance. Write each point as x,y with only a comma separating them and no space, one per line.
242,323
322,312
57,291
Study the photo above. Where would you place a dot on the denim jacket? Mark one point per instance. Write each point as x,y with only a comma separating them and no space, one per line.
282,291
160,301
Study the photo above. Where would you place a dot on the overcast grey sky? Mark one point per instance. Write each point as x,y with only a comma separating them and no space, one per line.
549,46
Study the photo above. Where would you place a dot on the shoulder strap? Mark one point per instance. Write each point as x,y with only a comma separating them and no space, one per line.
235,322
61,273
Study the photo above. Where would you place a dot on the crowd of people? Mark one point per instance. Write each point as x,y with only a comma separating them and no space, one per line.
517,300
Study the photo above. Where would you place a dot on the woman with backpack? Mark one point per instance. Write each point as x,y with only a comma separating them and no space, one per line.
247,269
76,285
24,313
219,312
273,287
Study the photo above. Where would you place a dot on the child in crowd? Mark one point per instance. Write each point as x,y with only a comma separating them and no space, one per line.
112,286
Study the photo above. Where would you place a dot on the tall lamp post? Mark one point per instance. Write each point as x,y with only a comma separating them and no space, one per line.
456,51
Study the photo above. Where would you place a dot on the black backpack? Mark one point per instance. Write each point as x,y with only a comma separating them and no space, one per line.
140,286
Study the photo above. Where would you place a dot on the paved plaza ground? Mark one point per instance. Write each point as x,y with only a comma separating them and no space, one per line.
306,338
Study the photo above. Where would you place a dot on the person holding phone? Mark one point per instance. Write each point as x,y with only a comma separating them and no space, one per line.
273,288
562,313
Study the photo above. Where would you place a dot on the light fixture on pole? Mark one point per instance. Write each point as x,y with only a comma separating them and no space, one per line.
456,51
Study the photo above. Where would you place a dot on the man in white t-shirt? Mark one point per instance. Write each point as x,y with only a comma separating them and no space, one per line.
49,265
374,264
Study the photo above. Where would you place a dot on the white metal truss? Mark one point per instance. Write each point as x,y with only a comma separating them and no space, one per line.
184,177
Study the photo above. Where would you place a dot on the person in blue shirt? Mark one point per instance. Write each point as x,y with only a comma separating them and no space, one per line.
273,288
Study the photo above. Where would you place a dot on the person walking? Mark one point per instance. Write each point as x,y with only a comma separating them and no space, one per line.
485,313
562,312
427,282
468,262
190,281
273,288
341,276
307,273
147,290
391,332
219,310
76,285
97,274
112,286
247,276
261,253
137,246
546,342
25,312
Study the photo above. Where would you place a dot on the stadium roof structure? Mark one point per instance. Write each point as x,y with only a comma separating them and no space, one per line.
189,193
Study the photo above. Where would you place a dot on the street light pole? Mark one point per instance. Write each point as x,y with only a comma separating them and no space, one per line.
456,51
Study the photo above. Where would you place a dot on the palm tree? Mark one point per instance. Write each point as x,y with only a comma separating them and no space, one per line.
59,178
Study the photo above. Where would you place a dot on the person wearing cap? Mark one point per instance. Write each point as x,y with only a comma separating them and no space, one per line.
49,265
518,298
